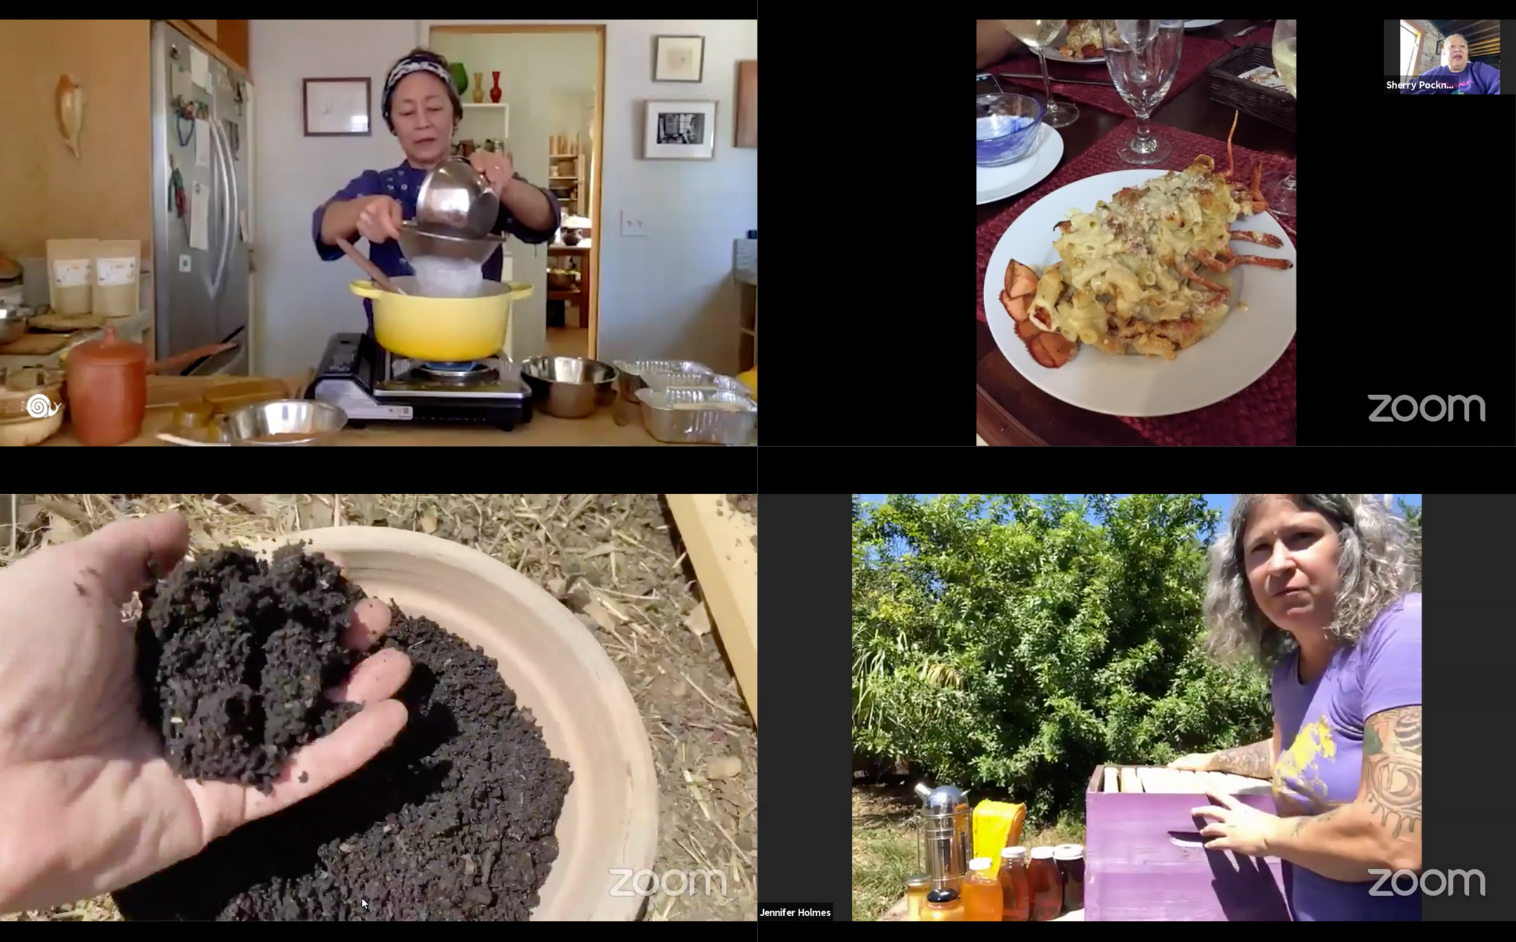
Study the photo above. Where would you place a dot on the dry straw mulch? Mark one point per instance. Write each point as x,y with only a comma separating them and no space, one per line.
613,559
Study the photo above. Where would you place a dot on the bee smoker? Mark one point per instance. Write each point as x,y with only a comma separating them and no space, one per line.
945,833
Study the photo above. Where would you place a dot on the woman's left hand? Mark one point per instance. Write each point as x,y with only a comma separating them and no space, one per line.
1238,827
496,168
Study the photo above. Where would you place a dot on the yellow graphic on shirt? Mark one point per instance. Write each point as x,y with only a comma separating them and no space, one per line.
1297,774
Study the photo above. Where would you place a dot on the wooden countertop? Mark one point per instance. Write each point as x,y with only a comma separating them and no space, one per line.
598,429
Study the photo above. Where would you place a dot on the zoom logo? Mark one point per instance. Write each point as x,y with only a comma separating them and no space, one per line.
1432,408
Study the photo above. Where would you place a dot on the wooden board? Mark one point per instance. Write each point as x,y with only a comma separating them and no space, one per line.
65,323
35,345
1241,784
747,103
1160,780
726,563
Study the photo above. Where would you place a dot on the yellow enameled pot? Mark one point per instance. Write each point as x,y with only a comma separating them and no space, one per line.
450,330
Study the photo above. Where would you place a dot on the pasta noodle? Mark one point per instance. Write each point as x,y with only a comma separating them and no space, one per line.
1131,272
1126,281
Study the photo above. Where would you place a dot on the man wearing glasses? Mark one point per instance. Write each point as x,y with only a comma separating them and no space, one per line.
1465,77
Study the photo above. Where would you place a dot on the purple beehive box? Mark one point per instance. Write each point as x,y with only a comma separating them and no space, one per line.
1145,859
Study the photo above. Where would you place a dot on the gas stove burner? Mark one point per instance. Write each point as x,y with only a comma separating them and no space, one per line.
455,373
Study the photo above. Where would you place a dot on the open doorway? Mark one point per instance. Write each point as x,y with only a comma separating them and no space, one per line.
548,116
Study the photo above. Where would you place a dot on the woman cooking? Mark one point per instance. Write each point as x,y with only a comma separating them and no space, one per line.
1319,588
422,109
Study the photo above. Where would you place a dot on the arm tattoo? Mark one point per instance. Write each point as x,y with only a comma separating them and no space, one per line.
1256,760
1303,820
1392,769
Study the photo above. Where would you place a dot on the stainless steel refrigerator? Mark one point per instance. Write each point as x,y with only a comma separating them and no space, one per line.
202,202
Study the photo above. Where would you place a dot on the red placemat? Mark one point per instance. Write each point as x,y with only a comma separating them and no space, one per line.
1194,56
1264,35
1261,414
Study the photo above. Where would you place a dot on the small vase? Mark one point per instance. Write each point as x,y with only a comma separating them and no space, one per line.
478,87
495,92
460,77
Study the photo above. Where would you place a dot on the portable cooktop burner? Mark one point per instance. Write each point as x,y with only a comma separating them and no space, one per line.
457,374
369,383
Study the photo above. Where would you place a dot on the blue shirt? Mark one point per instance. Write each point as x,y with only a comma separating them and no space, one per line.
1477,78
402,183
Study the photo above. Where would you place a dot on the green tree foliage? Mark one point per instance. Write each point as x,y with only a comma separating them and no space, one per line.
1412,517
1006,642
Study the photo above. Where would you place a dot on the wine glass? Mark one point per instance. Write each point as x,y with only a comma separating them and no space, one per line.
1037,34
1143,56
1281,195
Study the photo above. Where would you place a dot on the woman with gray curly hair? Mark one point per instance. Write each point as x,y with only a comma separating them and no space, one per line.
1319,588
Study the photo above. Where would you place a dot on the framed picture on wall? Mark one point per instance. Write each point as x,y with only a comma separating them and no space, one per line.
679,59
336,107
680,130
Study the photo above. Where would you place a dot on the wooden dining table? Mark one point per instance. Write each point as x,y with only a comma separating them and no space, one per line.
1010,410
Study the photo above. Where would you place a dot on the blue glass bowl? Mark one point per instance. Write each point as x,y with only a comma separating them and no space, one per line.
1007,126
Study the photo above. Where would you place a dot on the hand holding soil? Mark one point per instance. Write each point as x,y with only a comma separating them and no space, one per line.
92,801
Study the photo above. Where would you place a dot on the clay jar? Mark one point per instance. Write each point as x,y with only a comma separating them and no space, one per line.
106,384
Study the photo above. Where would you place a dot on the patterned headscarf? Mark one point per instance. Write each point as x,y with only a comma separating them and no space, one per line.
420,60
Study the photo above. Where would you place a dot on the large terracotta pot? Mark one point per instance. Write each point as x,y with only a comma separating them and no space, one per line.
559,672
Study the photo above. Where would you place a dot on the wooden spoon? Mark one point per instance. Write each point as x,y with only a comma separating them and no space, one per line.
380,278
181,360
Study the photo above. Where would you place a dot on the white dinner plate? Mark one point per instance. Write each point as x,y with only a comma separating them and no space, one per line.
1199,24
1242,349
1055,56
996,183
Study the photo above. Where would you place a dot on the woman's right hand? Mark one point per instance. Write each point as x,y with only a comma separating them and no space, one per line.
1195,761
379,219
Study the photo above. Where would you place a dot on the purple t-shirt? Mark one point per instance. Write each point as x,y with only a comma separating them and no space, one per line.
1321,750
402,182
1477,78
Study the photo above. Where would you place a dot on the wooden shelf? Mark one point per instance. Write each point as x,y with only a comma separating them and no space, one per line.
726,563
485,104
564,294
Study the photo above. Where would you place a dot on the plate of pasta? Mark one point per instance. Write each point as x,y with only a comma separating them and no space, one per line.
1079,41
1122,293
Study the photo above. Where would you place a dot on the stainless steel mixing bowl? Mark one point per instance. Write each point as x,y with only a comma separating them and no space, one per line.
456,200
285,422
13,321
569,387
414,243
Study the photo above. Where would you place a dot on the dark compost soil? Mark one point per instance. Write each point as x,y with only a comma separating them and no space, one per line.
233,656
454,821
747,503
